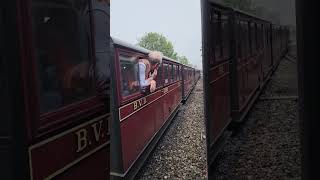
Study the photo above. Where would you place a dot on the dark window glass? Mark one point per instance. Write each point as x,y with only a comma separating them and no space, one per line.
225,36
211,37
166,73
172,73
129,75
218,35
61,32
178,72
257,29
253,37
245,46
240,39
169,73
159,77
248,45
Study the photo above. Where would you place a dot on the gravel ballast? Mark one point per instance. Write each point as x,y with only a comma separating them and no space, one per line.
267,146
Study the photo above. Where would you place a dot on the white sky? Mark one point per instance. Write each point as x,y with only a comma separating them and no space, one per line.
178,20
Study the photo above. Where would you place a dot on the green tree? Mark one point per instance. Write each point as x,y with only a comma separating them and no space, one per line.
183,60
157,42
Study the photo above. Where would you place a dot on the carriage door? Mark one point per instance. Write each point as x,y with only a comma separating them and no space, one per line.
67,90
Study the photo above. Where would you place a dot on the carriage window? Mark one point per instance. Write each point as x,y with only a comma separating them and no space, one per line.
257,27
218,35
129,75
169,73
166,73
240,39
211,37
172,72
61,33
178,73
159,77
253,37
225,36
245,45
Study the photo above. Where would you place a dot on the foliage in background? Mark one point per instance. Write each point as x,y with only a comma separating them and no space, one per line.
157,42
183,60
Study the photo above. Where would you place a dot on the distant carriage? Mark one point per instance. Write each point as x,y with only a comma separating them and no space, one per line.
240,53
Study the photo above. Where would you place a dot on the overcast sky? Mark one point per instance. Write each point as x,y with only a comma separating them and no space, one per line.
177,20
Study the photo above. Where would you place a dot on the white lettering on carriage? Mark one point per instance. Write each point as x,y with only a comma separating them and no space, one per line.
82,139
139,103
97,132
83,136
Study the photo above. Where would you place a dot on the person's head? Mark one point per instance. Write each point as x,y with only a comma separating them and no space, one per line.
155,58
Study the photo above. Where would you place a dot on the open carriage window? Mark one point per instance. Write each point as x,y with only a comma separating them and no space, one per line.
129,75
61,33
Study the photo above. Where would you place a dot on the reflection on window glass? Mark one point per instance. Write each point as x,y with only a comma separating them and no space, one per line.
129,75
61,32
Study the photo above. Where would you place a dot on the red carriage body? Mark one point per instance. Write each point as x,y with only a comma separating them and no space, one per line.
57,112
240,52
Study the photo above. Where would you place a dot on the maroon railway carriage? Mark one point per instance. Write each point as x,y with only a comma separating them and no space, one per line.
54,89
189,81
197,76
142,117
240,52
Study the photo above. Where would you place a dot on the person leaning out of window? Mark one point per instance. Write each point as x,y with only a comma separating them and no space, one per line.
148,70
